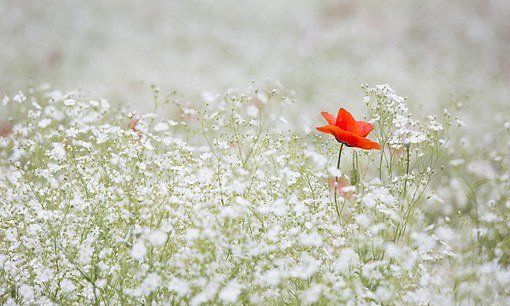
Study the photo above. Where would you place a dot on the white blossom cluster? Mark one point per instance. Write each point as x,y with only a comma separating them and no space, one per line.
392,110
225,204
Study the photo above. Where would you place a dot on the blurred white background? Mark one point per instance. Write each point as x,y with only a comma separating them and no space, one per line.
431,51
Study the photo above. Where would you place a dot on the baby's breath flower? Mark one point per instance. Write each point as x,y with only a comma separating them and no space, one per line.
99,206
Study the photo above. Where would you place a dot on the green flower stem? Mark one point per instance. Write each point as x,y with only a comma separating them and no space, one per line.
407,170
336,183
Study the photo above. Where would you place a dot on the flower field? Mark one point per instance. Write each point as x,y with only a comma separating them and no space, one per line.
226,204
257,171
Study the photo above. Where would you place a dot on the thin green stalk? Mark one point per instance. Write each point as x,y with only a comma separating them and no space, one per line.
355,175
155,93
401,227
407,170
336,183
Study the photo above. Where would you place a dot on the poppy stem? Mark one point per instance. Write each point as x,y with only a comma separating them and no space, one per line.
336,183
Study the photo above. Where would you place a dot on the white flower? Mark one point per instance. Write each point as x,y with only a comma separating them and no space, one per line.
69,102
348,259
363,220
383,294
179,286
19,97
44,123
27,292
434,125
313,239
150,283
230,292
312,294
252,110
231,211
161,127
333,171
139,250
157,238
59,150
278,208
67,285
85,254
46,274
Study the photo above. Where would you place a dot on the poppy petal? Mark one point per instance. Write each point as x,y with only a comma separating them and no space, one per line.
329,118
340,135
349,138
346,121
367,144
364,128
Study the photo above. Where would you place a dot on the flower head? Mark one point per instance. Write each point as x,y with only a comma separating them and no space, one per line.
342,186
349,131
5,130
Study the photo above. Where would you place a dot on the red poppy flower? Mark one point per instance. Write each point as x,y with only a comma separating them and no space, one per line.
133,126
5,130
348,131
342,187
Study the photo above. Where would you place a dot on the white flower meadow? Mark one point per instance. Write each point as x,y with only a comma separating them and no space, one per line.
225,204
